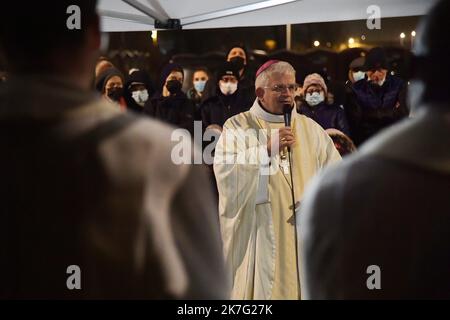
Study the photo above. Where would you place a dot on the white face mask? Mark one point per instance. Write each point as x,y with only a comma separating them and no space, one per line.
140,96
358,75
315,98
228,88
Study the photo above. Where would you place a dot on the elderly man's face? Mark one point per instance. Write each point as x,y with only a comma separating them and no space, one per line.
279,91
376,75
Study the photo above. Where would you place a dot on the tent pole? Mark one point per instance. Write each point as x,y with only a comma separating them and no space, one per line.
288,36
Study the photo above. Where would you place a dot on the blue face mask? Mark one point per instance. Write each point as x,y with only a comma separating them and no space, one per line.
199,86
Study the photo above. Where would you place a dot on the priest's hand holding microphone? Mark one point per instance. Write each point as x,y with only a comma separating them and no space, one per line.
285,135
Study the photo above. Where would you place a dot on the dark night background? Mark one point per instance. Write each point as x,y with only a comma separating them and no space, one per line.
208,46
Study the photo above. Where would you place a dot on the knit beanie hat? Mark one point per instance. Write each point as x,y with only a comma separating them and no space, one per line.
103,78
315,78
167,70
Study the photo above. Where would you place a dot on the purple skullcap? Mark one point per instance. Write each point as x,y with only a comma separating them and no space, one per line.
265,66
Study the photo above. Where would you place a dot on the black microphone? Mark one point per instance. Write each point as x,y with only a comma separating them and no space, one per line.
287,111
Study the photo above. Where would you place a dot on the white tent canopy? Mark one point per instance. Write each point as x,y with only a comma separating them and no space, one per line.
139,15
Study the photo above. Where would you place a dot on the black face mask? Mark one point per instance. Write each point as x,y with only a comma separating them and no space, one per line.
238,62
174,86
115,94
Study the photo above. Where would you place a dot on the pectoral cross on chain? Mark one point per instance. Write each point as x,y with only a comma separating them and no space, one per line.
284,164
291,220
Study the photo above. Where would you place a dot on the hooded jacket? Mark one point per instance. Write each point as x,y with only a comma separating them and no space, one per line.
218,109
176,109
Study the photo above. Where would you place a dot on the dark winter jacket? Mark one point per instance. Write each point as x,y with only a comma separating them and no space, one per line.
217,109
177,110
328,116
371,108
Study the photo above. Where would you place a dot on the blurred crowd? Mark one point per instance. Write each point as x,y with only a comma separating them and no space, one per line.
373,97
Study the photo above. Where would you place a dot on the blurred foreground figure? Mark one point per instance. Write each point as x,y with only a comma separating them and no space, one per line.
378,225
92,204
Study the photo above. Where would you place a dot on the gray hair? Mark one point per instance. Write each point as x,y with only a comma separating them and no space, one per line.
280,67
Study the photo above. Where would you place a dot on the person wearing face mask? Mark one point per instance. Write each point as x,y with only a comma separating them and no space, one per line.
170,104
377,102
239,57
227,102
138,89
197,93
316,107
356,72
229,99
110,84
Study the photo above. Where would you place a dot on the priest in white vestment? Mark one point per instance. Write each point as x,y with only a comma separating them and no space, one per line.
253,171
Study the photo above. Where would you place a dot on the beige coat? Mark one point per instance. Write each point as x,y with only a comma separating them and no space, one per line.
245,216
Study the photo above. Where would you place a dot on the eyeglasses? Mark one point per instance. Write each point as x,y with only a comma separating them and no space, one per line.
311,91
281,88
